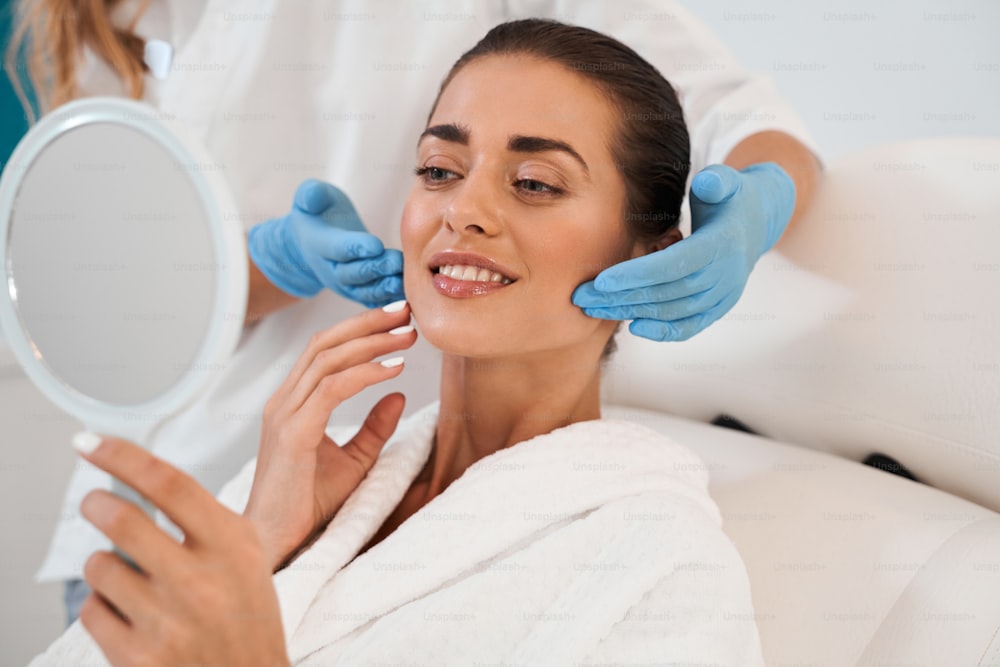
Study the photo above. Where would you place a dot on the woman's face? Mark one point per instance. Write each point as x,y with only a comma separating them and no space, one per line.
517,201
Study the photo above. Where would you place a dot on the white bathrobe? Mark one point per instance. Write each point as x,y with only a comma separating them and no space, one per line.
594,544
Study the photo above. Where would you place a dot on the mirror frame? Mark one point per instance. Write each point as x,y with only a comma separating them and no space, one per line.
136,421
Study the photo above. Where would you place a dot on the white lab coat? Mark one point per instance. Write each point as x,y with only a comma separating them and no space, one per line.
283,91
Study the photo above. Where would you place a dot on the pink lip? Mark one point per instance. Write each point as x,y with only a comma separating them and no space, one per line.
467,288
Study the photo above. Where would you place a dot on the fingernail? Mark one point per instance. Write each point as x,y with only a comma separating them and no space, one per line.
402,330
392,363
395,306
86,442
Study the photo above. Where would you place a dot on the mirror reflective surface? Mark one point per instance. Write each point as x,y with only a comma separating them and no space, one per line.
110,264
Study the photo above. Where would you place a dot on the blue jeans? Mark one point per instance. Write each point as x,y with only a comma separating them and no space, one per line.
75,591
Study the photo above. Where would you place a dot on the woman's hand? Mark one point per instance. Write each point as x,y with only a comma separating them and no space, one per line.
302,476
206,601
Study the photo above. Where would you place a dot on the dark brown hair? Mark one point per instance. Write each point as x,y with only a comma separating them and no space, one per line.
651,145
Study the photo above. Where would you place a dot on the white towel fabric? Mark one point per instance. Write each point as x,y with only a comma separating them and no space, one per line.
594,544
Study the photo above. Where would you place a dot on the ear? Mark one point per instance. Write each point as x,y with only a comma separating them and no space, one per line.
668,239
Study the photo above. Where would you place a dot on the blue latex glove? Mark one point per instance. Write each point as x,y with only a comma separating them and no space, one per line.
672,294
323,243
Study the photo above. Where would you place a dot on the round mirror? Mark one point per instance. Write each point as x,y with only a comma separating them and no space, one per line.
125,279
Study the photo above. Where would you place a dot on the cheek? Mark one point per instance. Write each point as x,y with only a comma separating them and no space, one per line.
416,228
559,268
578,249
596,245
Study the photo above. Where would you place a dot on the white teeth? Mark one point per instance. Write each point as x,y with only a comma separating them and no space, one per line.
472,273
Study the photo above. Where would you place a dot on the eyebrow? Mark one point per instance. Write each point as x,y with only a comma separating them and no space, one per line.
520,144
458,134
517,143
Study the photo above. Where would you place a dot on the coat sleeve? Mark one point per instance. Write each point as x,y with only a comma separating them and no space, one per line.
73,647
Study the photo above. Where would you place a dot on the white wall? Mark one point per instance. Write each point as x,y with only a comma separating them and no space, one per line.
860,73
865,72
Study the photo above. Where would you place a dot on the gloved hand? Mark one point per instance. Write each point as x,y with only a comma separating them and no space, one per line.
674,293
322,243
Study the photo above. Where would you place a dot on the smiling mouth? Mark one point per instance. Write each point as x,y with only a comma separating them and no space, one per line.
460,276
466,273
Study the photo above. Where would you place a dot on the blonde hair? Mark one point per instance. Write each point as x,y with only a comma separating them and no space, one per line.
54,34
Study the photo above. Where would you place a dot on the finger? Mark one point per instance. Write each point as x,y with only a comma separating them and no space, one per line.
188,504
363,324
364,271
341,212
313,196
329,202
339,245
106,627
118,583
314,415
331,361
654,330
377,429
683,329
385,291
715,183
586,296
665,312
130,529
674,262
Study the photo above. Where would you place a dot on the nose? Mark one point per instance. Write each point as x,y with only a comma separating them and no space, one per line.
474,207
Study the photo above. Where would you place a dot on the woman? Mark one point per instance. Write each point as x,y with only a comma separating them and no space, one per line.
285,91
508,522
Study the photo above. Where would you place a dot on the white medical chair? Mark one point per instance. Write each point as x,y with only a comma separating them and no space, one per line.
874,326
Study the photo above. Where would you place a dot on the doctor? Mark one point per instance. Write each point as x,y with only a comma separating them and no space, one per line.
289,97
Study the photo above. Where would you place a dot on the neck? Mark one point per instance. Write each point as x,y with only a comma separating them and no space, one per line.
490,404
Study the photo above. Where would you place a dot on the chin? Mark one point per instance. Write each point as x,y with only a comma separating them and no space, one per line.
461,337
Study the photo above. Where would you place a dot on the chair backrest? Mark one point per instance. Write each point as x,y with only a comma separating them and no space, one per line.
874,325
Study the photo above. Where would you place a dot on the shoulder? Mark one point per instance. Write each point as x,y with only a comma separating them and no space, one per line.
631,440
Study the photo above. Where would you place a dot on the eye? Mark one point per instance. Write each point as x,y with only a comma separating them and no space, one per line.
435,174
533,187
